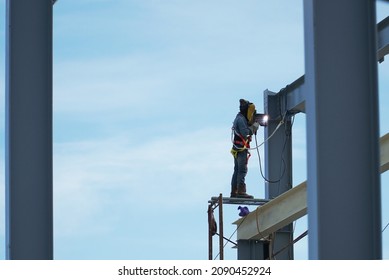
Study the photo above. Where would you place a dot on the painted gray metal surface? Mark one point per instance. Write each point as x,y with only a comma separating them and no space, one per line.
383,39
278,164
29,183
296,92
253,250
344,217
292,98
278,149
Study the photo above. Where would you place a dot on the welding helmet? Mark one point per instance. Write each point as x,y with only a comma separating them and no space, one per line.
247,109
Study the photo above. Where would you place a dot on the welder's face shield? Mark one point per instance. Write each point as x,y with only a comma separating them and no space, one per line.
251,113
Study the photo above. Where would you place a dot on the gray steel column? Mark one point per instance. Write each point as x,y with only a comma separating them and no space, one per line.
253,250
278,165
29,187
344,211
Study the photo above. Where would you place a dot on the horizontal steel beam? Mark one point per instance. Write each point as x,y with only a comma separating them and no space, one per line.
295,93
296,101
384,153
268,218
383,39
289,206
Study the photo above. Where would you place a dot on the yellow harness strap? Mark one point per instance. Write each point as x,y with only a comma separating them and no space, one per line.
234,153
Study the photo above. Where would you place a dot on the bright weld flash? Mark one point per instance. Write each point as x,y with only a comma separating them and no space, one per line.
262,119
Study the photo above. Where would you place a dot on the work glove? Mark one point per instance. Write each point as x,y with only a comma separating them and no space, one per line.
254,127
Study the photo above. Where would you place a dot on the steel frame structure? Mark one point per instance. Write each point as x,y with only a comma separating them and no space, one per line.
289,206
342,150
323,93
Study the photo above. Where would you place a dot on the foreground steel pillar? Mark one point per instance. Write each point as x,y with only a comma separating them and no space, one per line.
29,187
344,212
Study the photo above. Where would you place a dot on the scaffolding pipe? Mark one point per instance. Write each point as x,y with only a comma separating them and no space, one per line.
221,231
210,221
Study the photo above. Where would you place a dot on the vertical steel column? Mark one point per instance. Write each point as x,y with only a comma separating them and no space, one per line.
29,187
253,250
278,164
344,216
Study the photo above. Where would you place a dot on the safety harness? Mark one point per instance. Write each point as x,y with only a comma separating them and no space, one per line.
241,142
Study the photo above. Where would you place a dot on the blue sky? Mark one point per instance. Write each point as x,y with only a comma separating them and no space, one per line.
145,92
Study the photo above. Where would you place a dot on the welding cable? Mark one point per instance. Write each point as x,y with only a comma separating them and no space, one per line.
257,220
385,227
282,152
271,135
261,171
257,146
229,239
288,132
268,138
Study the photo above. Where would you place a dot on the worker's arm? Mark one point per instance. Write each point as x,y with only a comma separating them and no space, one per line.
243,128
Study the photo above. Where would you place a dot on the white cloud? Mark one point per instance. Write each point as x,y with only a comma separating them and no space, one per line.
185,50
89,176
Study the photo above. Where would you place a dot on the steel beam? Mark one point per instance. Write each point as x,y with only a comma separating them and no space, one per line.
292,98
342,130
384,153
253,250
274,215
383,39
294,94
29,182
289,206
278,150
278,165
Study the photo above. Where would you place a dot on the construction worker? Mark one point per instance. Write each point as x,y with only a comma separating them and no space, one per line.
243,128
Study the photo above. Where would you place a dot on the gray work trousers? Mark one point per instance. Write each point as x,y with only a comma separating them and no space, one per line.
240,169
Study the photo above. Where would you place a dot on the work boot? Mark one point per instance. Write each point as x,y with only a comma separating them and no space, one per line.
242,192
234,191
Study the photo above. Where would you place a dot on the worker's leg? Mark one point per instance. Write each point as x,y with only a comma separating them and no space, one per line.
241,165
234,182
241,175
